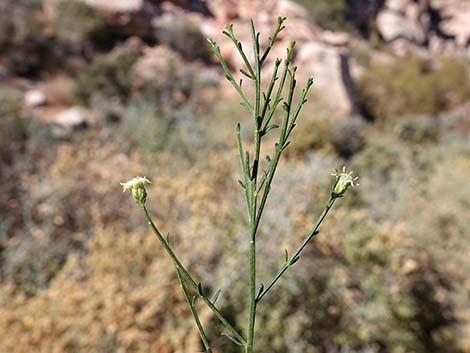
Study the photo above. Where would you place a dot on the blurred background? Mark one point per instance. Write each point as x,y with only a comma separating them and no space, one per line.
96,92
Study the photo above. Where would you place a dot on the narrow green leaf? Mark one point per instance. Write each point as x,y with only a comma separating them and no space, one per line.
270,127
199,289
216,296
247,161
233,339
286,255
294,260
260,290
246,74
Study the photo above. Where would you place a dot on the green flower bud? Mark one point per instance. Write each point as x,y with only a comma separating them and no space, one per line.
343,182
137,188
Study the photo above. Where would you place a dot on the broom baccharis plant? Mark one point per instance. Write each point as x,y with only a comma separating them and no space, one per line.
256,185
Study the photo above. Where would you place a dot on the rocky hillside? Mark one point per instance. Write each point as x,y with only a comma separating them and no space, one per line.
93,92
334,38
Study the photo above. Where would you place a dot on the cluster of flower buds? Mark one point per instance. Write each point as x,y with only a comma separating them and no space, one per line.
137,188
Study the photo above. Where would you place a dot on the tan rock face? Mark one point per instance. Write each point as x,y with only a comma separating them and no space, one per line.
329,67
155,63
401,20
456,19
442,24
113,6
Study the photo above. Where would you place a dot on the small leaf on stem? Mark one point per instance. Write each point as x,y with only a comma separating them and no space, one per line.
260,290
246,74
233,339
294,260
199,289
216,296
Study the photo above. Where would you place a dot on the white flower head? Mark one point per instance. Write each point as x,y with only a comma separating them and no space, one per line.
137,187
136,182
343,181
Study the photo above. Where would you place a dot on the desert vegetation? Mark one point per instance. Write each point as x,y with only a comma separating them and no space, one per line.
81,271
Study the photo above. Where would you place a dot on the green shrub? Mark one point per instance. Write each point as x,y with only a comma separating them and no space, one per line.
419,129
363,300
17,20
343,136
348,136
25,47
184,37
144,126
315,133
77,23
13,136
10,103
166,112
31,265
413,86
330,14
109,78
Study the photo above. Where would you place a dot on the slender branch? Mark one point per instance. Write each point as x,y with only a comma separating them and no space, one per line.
272,39
301,102
229,76
191,281
284,134
279,149
296,254
246,184
282,81
267,96
192,307
229,33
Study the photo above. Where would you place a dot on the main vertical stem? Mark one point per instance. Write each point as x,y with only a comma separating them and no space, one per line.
253,185
252,284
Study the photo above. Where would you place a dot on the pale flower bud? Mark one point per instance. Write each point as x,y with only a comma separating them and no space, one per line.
137,189
343,182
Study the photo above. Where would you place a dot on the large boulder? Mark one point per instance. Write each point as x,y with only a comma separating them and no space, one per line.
443,25
329,67
455,19
115,6
402,19
34,98
68,121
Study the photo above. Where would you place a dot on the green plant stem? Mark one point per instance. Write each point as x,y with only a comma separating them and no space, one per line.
192,307
296,254
257,148
286,129
229,76
262,115
191,281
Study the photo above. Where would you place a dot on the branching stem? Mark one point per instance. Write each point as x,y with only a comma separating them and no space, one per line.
295,256
192,307
191,281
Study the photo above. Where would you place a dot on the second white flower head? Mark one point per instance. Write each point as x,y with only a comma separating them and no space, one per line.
137,188
136,182
343,181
